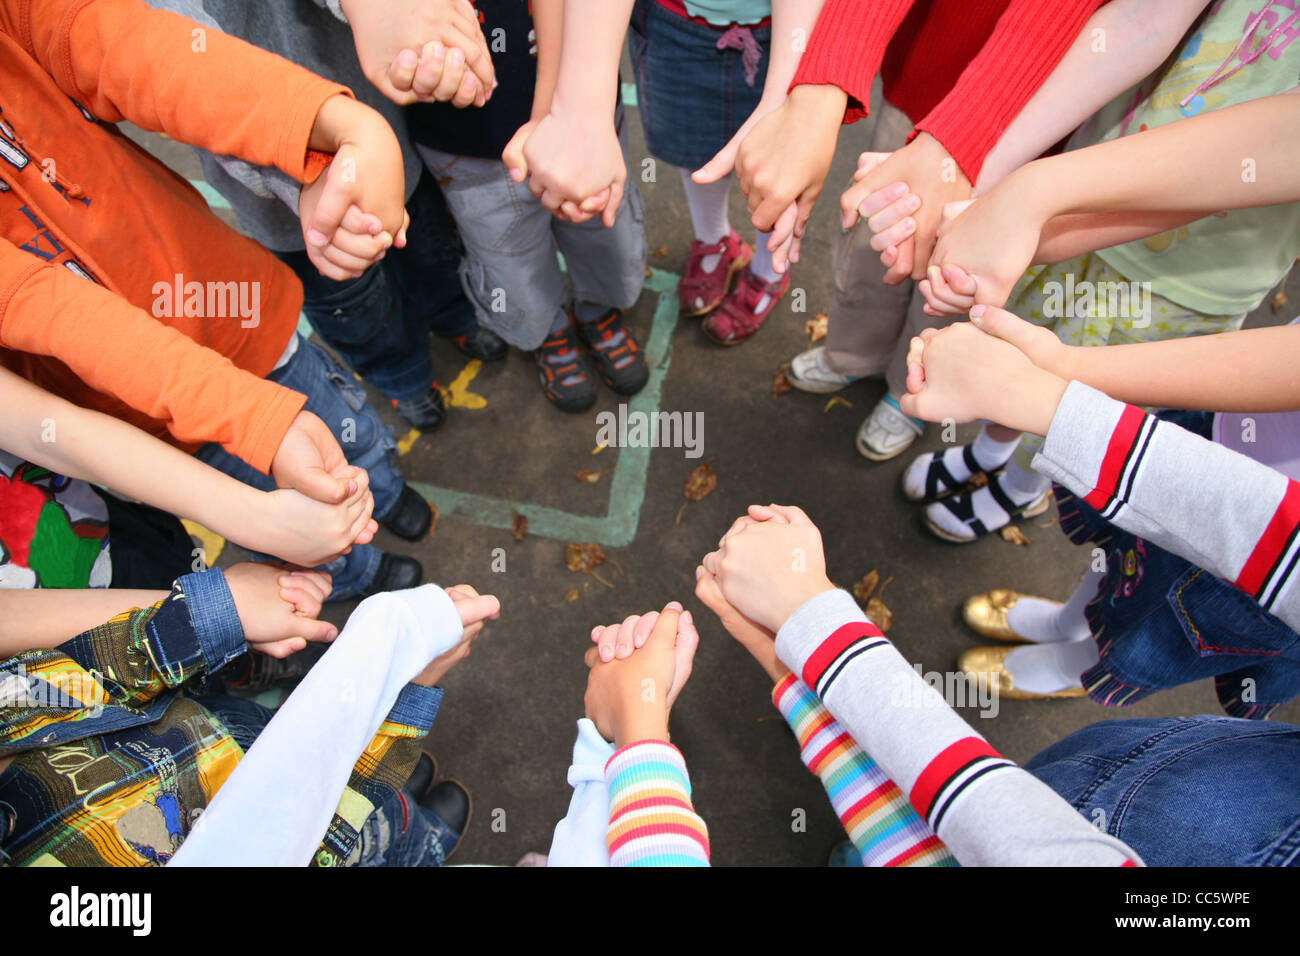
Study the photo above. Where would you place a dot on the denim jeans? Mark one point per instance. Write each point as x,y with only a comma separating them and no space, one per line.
334,396
380,323
1185,791
399,832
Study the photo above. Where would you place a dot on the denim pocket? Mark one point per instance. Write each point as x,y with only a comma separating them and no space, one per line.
1218,619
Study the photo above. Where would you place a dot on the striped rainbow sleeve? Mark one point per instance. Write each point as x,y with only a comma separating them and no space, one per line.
876,814
651,819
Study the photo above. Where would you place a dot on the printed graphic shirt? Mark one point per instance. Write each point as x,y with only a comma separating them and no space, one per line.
114,762
1227,263
53,530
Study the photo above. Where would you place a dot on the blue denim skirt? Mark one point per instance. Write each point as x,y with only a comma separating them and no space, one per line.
1161,621
693,95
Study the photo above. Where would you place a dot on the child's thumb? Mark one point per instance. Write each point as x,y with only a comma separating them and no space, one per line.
476,609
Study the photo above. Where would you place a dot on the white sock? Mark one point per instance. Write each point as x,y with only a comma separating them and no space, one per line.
986,508
989,453
709,219
1047,668
1023,485
761,264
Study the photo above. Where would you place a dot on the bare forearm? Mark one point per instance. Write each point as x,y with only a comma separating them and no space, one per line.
792,24
548,21
1074,234
1189,373
43,618
1121,43
589,56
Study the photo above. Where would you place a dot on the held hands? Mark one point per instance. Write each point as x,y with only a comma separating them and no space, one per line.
783,161
278,608
302,531
430,51
310,460
759,641
354,211
769,563
573,162
903,198
629,695
965,374
475,610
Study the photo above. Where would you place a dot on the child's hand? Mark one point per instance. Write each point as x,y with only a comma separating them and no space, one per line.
278,608
759,641
575,165
367,172
910,223
784,160
305,532
769,564
310,460
784,244
629,699
965,375
358,243
983,249
475,610
452,63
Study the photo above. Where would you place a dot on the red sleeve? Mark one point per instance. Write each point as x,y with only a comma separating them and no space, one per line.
847,47
1026,45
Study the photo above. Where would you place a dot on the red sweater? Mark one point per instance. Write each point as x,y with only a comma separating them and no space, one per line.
967,67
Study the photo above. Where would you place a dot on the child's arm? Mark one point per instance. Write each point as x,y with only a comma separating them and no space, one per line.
651,819
1124,41
573,154
1231,515
874,812
986,809
1245,158
79,443
548,22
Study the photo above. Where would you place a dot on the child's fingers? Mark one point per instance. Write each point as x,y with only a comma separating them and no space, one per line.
282,648
400,239
433,59
959,280
710,595
611,207
902,266
894,235
360,245
453,71
305,602
607,641
791,513
468,92
346,261
783,228
942,296
326,268
361,223
736,527
643,628
915,365
665,629
624,646
885,217
318,632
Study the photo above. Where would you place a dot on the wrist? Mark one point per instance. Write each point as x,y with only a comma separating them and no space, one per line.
797,598
641,720
1038,194
824,103
1029,404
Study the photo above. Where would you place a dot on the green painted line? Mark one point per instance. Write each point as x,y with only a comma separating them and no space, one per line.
629,94
213,198
617,528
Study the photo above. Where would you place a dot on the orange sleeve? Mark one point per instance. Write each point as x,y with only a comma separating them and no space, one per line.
120,350
165,73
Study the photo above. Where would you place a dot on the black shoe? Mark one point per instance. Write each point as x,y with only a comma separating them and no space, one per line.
396,573
426,412
618,357
482,344
422,777
450,804
565,376
411,517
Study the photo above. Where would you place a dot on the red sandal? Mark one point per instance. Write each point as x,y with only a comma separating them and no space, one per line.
738,317
700,292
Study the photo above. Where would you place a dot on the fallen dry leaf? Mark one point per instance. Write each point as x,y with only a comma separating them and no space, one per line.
816,328
598,449
879,614
1278,302
587,475
979,479
519,527
660,252
835,400
583,558
433,524
866,586
1013,534
700,483
781,381
572,595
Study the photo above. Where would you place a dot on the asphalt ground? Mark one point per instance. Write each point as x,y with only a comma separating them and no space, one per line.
507,723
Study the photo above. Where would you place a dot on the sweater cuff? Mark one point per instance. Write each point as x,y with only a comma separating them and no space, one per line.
847,47
1088,442
651,819
826,632
416,708
217,630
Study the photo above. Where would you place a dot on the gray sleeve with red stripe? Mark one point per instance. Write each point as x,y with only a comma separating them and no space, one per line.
1208,504
989,811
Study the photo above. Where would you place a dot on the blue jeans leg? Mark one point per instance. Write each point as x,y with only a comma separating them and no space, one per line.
400,832
1185,791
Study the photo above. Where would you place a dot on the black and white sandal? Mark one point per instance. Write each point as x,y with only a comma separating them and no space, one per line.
962,508
928,477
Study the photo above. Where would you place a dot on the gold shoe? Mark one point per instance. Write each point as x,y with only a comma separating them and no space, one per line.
986,614
989,664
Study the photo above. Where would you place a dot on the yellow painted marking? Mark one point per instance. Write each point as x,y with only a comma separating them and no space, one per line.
458,393
406,441
211,542
598,449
